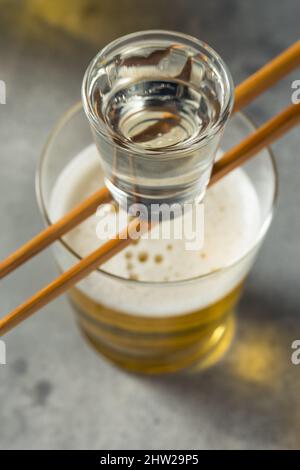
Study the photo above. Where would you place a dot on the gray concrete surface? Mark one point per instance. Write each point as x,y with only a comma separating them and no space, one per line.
55,392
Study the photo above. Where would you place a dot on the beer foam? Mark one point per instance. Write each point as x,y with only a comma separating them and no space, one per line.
231,223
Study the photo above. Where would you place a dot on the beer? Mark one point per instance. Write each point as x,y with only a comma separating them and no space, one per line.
156,306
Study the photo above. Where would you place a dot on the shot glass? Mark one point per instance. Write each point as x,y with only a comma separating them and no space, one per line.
157,103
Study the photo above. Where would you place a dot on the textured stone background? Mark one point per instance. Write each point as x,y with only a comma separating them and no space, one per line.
55,392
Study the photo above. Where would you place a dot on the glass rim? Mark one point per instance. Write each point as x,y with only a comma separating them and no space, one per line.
196,142
45,214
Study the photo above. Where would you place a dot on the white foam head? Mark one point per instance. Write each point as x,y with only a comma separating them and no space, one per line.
231,223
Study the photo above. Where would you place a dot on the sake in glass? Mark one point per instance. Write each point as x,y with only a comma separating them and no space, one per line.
157,103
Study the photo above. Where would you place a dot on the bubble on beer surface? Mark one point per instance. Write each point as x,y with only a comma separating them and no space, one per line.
231,222
143,256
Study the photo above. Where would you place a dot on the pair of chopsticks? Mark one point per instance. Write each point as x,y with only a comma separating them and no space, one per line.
256,84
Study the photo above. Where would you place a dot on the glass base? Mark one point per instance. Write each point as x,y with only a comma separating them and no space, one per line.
204,354
146,345
154,203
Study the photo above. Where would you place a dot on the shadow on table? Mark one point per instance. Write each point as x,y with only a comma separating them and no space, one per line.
253,390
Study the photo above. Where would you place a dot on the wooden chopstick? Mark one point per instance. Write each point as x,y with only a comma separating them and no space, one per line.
71,277
267,76
265,135
81,212
244,93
